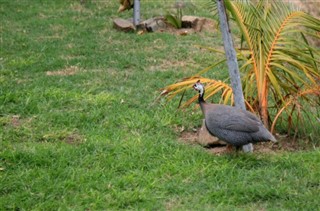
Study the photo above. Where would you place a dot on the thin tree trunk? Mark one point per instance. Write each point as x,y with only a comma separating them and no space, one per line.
136,12
264,105
232,63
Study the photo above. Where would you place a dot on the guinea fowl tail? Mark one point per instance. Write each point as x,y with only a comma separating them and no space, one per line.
272,138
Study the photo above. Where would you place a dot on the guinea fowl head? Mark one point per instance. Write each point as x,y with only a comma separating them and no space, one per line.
199,87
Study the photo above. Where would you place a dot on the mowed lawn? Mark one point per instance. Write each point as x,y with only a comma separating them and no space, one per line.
81,127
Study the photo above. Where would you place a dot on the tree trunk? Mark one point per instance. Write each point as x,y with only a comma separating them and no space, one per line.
263,107
232,63
136,12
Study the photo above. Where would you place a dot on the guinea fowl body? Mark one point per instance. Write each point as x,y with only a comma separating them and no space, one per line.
234,126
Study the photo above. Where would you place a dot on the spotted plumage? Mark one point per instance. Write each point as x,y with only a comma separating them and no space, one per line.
234,126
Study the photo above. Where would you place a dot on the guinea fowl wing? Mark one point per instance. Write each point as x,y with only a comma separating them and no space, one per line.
230,118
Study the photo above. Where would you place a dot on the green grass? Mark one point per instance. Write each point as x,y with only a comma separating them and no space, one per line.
96,140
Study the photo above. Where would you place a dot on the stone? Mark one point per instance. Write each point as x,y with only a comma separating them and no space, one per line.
200,24
189,21
153,24
205,138
123,25
193,22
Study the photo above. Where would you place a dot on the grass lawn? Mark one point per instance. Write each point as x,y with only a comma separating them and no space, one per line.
79,129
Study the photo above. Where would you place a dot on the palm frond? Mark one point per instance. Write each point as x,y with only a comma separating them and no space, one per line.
212,88
278,64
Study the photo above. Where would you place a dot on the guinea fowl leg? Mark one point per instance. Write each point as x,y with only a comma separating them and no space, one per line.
238,148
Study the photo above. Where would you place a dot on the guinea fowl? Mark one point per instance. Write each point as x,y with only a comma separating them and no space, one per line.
234,126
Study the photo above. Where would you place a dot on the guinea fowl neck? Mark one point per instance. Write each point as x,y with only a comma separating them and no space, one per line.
201,101
200,98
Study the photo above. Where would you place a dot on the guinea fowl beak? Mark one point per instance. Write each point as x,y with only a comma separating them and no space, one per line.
194,87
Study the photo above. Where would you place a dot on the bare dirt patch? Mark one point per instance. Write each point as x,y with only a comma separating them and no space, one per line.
209,25
311,7
72,70
69,137
166,65
15,121
286,144
73,139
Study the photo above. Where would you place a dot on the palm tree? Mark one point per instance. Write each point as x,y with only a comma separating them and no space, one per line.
277,63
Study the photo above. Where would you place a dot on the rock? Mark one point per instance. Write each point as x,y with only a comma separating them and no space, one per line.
190,24
193,22
200,24
205,138
189,21
123,25
153,24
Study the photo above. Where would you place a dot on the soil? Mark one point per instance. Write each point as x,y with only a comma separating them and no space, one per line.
208,26
311,7
285,144
64,72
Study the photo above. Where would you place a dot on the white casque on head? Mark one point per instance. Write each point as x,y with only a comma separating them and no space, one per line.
199,87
